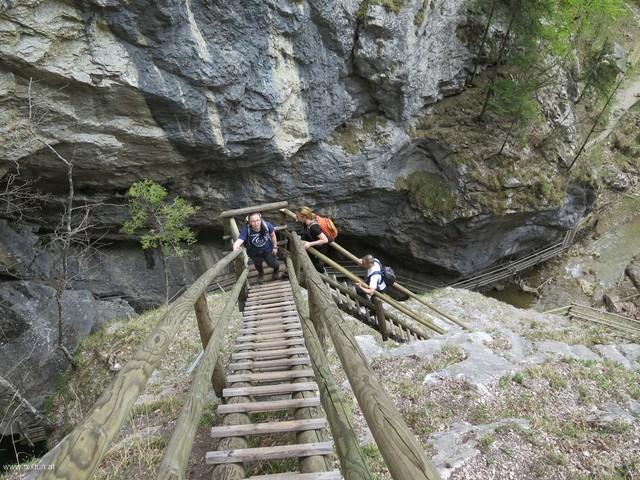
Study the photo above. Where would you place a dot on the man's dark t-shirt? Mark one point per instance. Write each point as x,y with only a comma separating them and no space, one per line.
258,242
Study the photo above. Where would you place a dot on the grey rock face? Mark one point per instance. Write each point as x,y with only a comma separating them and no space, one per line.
121,270
414,57
459,443
29,344
231,104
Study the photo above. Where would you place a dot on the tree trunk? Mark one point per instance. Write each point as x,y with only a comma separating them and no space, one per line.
595,122
484,39
503,48
166,277
506,138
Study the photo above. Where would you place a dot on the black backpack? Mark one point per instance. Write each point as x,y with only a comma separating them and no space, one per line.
388,275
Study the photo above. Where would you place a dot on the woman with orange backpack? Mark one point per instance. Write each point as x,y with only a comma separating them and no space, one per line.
314,235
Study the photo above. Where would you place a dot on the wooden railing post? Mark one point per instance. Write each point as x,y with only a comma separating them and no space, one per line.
402,453
206,326
382,320
239,263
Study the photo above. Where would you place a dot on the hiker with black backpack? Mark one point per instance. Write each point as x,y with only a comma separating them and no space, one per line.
259,237
318,232
378,278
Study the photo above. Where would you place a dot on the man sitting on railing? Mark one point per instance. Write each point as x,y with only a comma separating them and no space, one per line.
374,278
259,236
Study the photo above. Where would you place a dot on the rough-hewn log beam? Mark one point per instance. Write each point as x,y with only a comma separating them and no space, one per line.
176,456
402,453
78,454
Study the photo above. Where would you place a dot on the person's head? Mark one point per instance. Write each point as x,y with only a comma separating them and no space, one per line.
305,215
255,221
367,261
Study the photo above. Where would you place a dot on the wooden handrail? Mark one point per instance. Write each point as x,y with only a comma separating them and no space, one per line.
402,453
396,285
176,455
256,208
353,463
370,305
385,298
77,456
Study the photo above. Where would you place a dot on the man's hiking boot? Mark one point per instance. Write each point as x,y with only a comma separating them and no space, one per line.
260,279
276,275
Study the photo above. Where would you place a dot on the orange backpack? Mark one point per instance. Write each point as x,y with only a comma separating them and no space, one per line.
328,227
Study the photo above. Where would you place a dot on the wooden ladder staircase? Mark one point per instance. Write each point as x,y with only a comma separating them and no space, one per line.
270,372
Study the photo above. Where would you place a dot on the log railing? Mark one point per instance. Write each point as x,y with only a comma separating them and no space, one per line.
403,455
385,298
352,461
79,453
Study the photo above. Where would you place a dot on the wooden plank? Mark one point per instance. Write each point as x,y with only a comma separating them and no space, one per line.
269,345
269,376
268,427
270,406
278,389
269,316
266,332
256,299
333,475
270,336
281,362
263,310
258,306
278,285
263,207
269,453
269,328
267,302
266,354
271,321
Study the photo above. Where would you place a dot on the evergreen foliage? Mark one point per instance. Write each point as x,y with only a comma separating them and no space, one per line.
161,222
541,35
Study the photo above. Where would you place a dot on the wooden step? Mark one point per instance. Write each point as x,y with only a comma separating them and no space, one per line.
270,335
279,389
241,455
269,316
269,376
333,475
281,362
282,327
266,311
268,406
276,297
267,354
288,325
270,288
268,345
268,427
259,305
271,321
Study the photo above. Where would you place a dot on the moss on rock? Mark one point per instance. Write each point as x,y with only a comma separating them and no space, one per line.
430,191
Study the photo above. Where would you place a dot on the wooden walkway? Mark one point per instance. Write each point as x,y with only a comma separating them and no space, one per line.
270,372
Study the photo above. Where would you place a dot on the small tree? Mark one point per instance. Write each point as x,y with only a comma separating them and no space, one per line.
161,222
